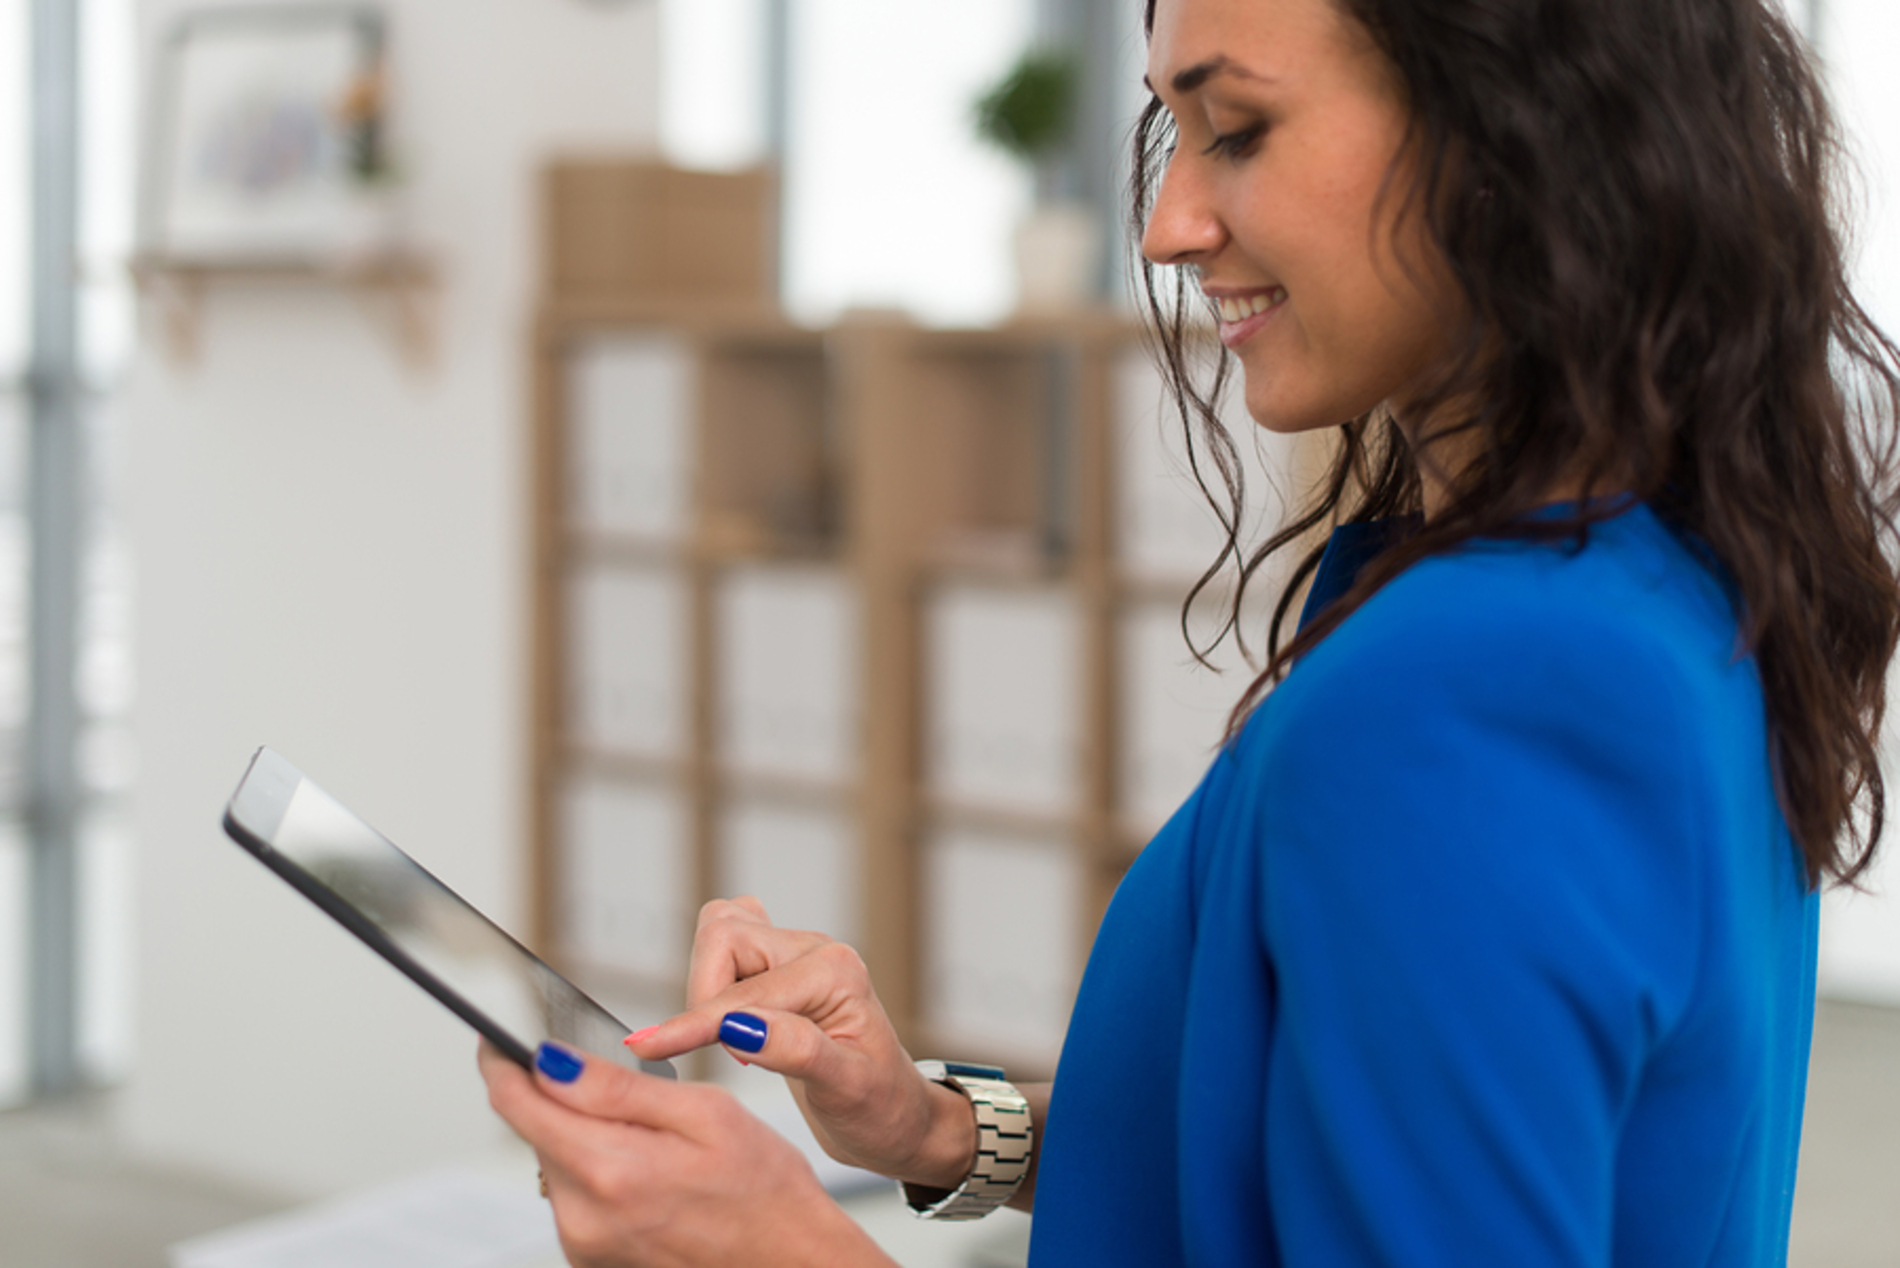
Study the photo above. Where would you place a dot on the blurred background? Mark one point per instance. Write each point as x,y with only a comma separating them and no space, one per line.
631,451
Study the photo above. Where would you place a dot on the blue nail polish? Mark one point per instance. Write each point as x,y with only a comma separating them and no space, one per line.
742,1031
557,1063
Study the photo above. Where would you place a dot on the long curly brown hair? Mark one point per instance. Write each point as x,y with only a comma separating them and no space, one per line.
1641,202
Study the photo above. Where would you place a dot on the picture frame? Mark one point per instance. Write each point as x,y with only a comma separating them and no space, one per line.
267,141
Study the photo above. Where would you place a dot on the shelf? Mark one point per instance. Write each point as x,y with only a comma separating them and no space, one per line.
631,767
939,812
730,780
733,539
401,285
798,790
1009,557
592,547
1139,590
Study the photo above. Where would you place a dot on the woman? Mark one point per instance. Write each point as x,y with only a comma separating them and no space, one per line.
1488,938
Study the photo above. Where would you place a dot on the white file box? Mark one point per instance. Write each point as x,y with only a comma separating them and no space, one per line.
627,689
632,403
788,673
626,891
1164,525
1003,682
1174,711
803,863
1001,953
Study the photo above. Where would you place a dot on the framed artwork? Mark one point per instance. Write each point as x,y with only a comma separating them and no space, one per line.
267,137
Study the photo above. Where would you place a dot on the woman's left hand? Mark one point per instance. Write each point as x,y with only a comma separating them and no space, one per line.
645,1171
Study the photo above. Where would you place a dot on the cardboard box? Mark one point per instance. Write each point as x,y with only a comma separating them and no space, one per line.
641,230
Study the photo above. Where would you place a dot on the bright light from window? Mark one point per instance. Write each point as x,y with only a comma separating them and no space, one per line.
14,184
1860,944
713,82
892,200
108,87
1857,42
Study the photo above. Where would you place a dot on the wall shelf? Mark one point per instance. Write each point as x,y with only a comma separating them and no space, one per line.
398,288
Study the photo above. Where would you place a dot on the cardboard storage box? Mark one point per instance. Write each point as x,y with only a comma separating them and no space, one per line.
641,230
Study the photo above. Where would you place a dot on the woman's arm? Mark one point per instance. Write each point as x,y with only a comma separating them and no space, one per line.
1483,915
809,1013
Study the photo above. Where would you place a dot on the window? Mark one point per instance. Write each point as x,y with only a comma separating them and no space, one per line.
889,199
101,846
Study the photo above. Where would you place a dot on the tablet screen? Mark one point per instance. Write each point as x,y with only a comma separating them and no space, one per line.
464,959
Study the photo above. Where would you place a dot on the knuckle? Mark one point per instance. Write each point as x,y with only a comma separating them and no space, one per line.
745,909
718,1107
585,1237
717,933
619,1189
604,1187
841,959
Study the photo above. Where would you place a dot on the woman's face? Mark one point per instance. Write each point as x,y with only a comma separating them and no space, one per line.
1289,119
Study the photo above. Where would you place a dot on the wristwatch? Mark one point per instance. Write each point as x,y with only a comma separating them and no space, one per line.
1005,1142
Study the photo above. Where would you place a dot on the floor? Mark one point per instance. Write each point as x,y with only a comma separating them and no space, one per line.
1847,1202
67,1201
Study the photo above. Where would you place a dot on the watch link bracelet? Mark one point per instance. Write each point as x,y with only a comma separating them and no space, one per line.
1005,1142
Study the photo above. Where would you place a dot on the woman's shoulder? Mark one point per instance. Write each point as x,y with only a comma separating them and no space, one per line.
1632,585
1632,629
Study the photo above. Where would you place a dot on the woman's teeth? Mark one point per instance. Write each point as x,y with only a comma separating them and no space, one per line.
1232,310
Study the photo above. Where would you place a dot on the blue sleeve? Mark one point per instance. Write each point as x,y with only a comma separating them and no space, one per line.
1478,905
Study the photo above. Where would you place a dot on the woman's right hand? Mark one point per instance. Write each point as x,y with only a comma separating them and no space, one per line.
825,1031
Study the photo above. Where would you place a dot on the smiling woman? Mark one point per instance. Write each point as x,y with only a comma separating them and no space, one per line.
1290,121
1489,935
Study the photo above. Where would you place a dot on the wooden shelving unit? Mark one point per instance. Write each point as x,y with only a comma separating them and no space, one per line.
952,529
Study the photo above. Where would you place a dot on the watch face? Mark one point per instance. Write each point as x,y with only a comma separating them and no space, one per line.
966,1070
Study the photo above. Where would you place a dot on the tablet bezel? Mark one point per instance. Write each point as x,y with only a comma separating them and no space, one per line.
254,815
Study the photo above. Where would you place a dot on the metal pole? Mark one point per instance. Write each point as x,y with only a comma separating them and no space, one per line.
1091,172
778,115
778,78
53,499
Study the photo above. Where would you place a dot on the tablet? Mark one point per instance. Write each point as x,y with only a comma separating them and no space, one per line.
414,921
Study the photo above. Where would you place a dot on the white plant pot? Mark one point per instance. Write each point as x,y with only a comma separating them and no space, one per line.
1058,254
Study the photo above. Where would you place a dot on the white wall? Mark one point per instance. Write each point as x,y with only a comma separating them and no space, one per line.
1860,941
331,560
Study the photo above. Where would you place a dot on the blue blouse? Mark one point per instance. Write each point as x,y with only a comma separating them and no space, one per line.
1484,943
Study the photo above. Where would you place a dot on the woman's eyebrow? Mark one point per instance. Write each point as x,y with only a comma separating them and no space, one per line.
1191,79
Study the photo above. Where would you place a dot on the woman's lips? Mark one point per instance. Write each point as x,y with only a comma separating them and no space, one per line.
1242,315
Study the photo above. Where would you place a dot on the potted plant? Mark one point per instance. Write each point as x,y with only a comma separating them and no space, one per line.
1030,115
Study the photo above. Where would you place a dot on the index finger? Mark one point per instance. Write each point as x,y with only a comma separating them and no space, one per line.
735,942
808,984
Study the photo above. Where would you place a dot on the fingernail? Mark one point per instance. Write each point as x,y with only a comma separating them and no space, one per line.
639,1035
557,1063
742,1031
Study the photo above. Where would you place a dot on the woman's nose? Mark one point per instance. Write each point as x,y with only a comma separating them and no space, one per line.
1182,227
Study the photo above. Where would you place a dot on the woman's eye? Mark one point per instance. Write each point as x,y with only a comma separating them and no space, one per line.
1236,144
